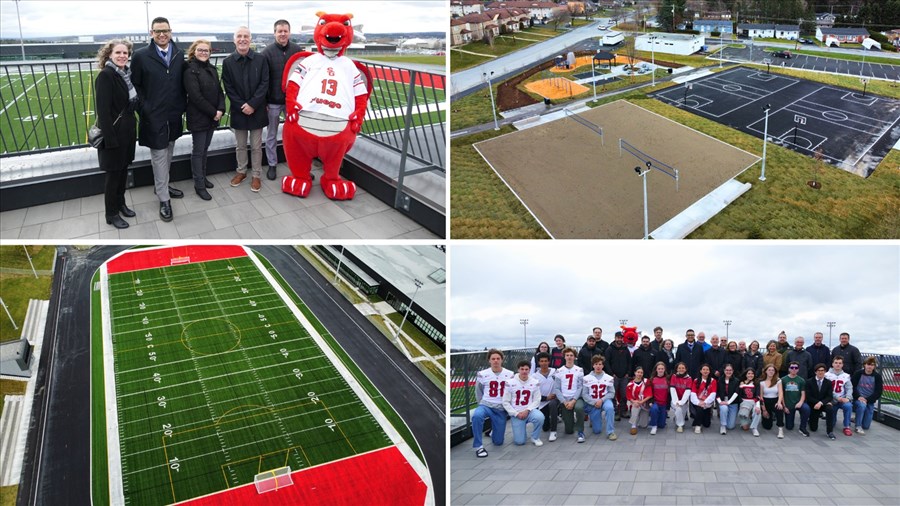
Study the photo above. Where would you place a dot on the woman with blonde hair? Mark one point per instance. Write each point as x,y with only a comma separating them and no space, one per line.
773,399
772,356
116,100
205,107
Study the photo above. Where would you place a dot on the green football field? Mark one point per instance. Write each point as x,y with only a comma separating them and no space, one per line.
51,105
216,380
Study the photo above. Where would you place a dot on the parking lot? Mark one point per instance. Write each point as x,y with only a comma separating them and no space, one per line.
818,63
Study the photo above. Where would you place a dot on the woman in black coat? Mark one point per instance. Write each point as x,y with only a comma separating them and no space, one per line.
205,107
116,101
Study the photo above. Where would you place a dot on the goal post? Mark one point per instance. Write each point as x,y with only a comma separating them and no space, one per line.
273,480
179,260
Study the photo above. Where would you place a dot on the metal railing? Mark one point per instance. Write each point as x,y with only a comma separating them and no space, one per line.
48,106
464,366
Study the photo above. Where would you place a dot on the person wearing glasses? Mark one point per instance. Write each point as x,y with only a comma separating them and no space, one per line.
794,387
277,54
802,357
116,101
156,71
205,107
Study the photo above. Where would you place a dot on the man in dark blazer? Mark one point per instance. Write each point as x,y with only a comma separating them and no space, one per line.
818,396
691,353
156,72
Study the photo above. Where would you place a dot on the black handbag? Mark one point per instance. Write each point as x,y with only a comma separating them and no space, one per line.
95,135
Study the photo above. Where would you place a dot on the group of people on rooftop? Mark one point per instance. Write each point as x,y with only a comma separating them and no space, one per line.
646,383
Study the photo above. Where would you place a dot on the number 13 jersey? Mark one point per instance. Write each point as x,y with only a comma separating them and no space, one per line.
328,86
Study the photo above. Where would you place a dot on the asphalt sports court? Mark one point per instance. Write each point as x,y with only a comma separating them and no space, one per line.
853,132
211,376
578,187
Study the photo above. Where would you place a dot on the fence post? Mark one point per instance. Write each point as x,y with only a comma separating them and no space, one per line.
401,200
468,427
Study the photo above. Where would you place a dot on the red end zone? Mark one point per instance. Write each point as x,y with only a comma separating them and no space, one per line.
380,477
400,75
163,257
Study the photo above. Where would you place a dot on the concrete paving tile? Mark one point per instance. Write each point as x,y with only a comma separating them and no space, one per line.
140,232
463,474
580,475
309,236
277,227
341,231
167,230
753,501
510,487
471,487
96,204
800,490
283,203
647,488
887,501
693,489
70,227
886,491
234,214
720,489
461,498
713,501
627,500
245,231
44,213
111,233
385,225
328,213
141,195
194,204
363,205
263,208
12,219
10,233
192,224
72,207
220,233
487,499
526,499
559,487
652,476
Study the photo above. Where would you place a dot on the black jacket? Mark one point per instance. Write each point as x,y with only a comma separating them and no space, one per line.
204,95
162,95
804,359
585,355
725,389
715,358
852,358
736,360
879,386
646,358
246,80
814,395
820,355
277,56
111,96
618,360
691,358
752,361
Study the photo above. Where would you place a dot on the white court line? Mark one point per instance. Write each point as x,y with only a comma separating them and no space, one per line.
863,118
790,133
872,145
816,114
144,312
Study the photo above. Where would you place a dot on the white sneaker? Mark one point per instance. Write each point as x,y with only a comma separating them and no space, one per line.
537,442
755,433
780,433
581,437
697,430
679,429
723,430
552,436
859,430
653,431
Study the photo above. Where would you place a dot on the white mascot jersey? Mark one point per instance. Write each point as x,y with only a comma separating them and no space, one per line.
331,86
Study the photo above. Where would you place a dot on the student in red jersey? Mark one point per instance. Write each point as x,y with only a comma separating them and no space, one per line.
773,399
549,405
659,384
727,395
639,395
567,384
489,388
680,385
703,396
749,410
521,399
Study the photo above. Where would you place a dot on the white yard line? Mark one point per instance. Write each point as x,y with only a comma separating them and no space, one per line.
7,106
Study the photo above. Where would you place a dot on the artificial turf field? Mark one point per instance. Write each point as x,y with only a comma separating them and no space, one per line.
210,379
51,105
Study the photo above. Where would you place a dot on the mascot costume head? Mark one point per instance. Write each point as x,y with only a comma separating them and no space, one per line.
326,95
630,335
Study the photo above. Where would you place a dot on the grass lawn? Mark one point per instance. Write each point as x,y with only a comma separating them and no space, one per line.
410,58
847,206
416,335
843,56
13,257
16,290
502,45
8,495
11,387
473,109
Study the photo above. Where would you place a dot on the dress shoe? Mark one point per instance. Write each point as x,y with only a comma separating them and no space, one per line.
175,193
238,179
165,211
204,194
128,213
209,184
255,184
116,221
271,174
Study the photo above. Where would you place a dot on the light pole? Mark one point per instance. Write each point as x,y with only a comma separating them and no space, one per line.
593,79
762,176
524,323
623,322
411,302
721,43
147,12
830,326
727,324
337,271
7,314
653,57
29,261
22,45
673,17
643,174
248,4
491,93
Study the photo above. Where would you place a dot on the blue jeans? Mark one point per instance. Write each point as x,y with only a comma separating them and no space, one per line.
847,408
498,425
728,415
804,417
658,414
594,414
864,414
535,418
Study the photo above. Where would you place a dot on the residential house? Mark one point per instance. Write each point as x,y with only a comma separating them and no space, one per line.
463,7
473,27
539,10
893,36
510,20
769,31
707,26
824,19
854,35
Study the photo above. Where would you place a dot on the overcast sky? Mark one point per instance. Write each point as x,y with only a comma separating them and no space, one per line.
57,18
569,287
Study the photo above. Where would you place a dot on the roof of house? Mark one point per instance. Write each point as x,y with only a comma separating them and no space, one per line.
475,17
755,26
522,5
721,22
821,15
845,31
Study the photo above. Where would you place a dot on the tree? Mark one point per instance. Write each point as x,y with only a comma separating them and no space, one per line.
559,15
664,14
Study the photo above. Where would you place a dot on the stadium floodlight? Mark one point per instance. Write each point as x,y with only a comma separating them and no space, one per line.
487,76
624,321
17,327
29,261
830,326
248,4
762,176
21,39
524,323
653,56
727,324
147,12
409,306
338,270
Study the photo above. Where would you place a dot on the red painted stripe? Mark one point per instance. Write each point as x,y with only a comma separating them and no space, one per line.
162,257
402,76
892,388
380,477
460,384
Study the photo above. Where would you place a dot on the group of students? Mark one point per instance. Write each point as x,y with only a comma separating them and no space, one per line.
575,385
162,85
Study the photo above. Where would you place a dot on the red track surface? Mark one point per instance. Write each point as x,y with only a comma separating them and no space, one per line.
380,477
429,80
162,257
460,384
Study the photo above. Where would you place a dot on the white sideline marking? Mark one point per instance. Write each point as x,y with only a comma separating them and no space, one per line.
7,106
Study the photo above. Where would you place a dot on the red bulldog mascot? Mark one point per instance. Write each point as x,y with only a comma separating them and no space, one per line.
326,97
630,335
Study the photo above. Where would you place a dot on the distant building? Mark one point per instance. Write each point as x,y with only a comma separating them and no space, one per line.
769,31
669,43
893,36
463,7
713,25
472,27
824,19
539,10
852,35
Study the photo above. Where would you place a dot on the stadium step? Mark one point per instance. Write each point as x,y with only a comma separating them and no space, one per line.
9,428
